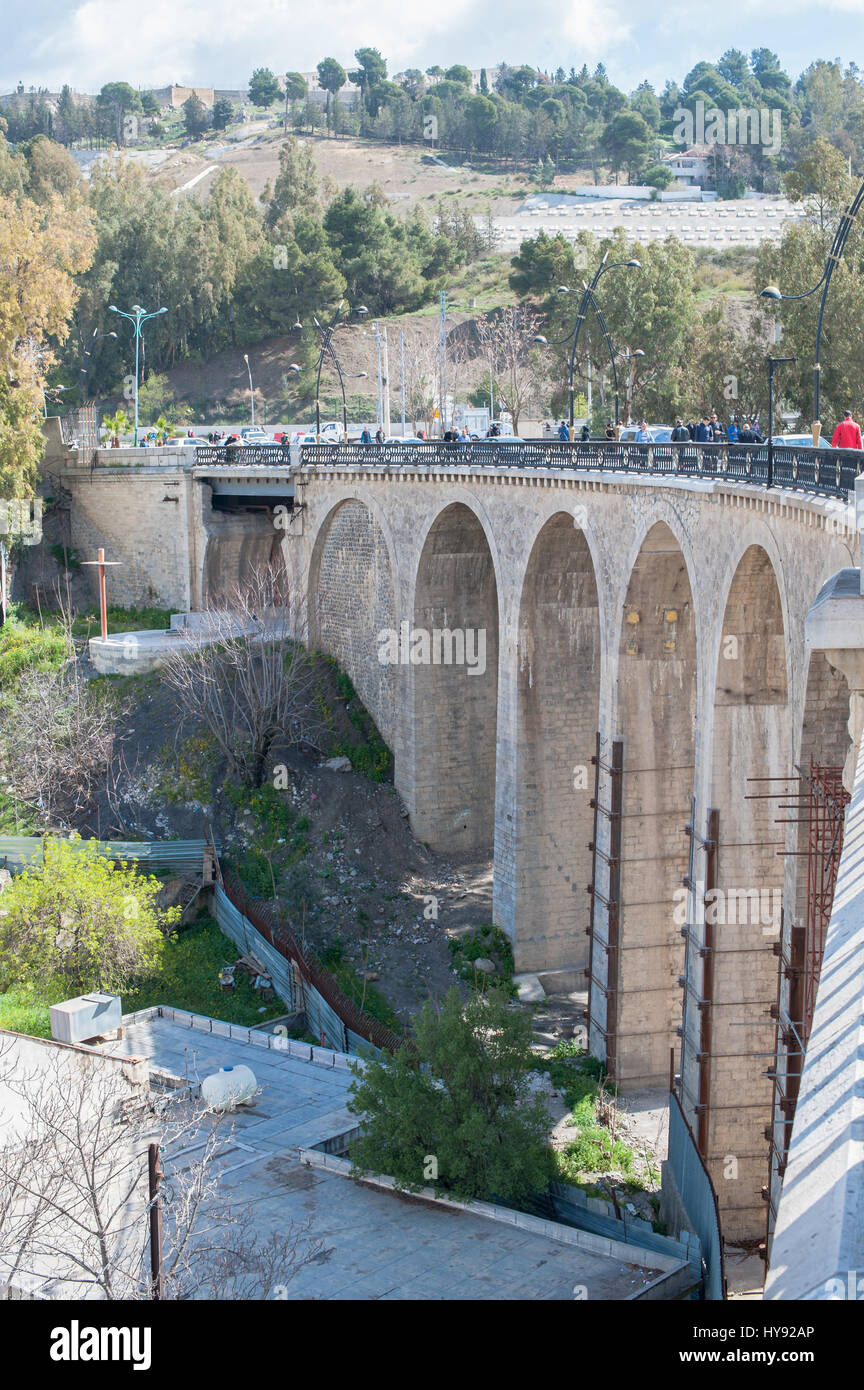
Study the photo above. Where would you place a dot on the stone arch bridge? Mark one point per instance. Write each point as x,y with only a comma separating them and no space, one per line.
593,677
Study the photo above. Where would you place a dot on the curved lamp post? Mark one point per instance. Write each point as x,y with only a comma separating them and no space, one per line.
251,388
327,349
82,371
838,246
137,318
586,300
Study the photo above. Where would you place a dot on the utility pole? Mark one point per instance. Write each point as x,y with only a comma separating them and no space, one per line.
402,376
442,360
155,1173
385,381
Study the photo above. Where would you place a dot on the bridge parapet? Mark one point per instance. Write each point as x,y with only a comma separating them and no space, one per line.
821,471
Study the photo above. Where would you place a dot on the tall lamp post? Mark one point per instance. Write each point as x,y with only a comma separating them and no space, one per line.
251,388
85,362
835,255
327,349
772,363
137,318
587,299
614,353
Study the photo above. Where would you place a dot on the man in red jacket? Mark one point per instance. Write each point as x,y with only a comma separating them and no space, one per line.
847,434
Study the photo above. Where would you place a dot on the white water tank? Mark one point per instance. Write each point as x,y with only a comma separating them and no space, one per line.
228,1088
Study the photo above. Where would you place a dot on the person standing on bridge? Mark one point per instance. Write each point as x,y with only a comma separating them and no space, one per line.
847,434
703,431
563,432
680,434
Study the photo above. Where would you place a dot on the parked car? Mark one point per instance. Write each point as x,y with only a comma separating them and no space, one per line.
799,441
185,441
254,434
660,434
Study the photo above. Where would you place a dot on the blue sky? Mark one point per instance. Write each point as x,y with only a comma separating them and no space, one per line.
219,42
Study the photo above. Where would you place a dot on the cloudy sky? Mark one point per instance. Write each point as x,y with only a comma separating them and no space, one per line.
219,42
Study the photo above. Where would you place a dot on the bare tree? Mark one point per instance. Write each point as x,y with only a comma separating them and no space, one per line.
74,1194
243,673
61,751
421,375
508,339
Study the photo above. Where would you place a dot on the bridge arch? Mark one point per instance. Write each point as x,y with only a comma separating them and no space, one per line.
751,743
558,695
351,598
453,659
658,684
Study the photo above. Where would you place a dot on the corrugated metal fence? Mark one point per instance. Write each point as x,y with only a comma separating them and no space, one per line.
298,979
180,856
697,1194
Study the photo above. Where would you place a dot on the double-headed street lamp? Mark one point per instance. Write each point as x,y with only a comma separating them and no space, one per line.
137,318
835,255
327,349
96,337
587,299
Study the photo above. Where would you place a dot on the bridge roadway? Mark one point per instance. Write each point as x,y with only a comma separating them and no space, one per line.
648,601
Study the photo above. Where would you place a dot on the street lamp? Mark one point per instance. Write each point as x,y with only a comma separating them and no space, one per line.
587,299
137,318
82,372
251,390
326,335
772,363
835,255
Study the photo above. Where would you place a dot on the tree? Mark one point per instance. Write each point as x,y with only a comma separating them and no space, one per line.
508,337
454,1110
372,69
295,87
459,73
150,104
658,176
296,186
332,77
627,140
542,264
74,1200
119,99
60,754
223,113
195,115
82,919
264,89
42,248
244,674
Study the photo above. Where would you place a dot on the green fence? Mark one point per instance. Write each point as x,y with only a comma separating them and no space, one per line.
178,856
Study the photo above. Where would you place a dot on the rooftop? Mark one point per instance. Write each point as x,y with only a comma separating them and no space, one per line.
382,1244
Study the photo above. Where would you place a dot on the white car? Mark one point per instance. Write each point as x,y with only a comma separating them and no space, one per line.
799,441
254,434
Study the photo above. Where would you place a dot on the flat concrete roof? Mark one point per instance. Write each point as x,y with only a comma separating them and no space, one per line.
380,1244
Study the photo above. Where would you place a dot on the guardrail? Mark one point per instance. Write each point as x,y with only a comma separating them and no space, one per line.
828,472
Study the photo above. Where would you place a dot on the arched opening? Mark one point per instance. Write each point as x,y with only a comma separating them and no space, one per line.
657,693
351,602
737,984
453,648
559,694
238,544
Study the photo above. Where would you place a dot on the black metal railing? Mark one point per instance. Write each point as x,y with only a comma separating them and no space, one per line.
246,455
827,472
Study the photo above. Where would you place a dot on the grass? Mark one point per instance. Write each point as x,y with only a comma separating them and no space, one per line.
187,979
582,1082
492,944
372,1001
